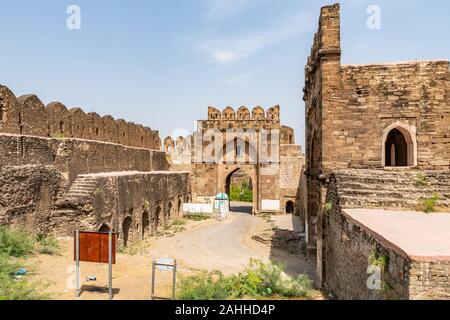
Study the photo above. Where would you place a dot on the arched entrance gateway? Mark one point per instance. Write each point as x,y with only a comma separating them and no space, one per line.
248,145
239,187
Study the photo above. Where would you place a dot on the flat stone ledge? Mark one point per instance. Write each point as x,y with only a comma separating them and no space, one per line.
420,236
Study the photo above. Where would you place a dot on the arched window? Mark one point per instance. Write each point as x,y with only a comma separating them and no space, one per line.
399,148
2,114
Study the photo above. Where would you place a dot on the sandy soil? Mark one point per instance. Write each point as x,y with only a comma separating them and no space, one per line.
208,245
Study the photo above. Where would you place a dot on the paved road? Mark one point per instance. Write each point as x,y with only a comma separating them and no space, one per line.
227,246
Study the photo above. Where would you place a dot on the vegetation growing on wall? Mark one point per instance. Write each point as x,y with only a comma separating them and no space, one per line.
381,261
421,180
429,204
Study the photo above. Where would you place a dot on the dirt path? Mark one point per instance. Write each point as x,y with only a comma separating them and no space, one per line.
210,245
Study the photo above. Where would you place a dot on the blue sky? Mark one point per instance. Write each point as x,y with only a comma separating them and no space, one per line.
163,62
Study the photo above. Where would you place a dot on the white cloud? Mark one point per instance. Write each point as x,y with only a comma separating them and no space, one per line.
232,49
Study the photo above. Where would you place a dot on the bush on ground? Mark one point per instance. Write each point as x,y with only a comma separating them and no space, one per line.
259,280
15,245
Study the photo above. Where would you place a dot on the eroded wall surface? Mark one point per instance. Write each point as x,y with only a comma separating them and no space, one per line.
75,156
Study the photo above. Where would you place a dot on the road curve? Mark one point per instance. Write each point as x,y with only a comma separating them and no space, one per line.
227,246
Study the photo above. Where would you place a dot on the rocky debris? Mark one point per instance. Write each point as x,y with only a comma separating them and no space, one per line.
286,240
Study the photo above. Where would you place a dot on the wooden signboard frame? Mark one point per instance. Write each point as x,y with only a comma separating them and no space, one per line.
95,247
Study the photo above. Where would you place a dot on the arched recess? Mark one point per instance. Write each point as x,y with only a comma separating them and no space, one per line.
104,228
399,146
145,224
155,222
180,206
127,231
290,207
168,212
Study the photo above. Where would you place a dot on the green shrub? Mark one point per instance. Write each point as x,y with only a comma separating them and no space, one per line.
179,222
204,286
258,280
16,243
328,206
47,244
20,242
236,193
59,135
430,203
197,216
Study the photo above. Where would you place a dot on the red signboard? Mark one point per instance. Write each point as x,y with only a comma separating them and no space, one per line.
94,247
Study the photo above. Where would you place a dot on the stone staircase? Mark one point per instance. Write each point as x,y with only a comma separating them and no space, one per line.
81,190
392,189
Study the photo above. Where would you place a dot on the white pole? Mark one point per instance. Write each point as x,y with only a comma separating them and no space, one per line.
110,244
77,254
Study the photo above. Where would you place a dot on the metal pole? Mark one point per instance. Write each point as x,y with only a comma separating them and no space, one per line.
153,279
174,278
77,254
110,244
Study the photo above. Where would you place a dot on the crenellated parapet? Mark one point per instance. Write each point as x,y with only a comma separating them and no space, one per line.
27,115
244,114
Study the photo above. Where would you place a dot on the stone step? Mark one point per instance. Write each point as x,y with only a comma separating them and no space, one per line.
84,184
405,173
414,187
78,194
82,189
398,194
385,202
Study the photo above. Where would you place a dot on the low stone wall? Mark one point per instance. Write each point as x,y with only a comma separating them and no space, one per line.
133,204
38,197
73,157
349,248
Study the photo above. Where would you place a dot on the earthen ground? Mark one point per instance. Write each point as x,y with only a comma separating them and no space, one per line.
207,245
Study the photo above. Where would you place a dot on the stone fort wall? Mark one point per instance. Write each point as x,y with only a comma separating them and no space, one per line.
351,108
73,157
27,115
63,170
